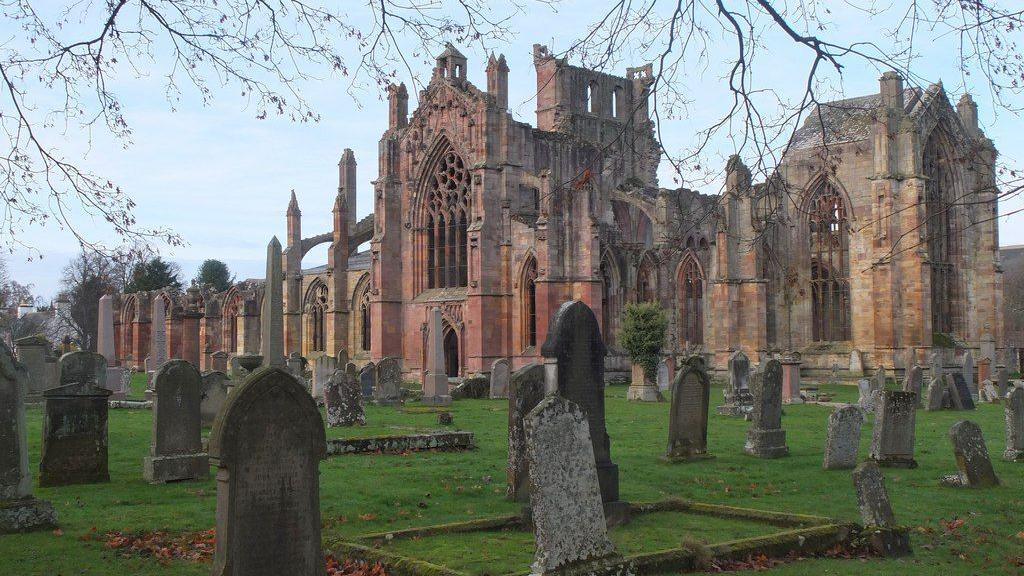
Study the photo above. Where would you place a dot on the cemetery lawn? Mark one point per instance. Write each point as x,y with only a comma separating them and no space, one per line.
954,532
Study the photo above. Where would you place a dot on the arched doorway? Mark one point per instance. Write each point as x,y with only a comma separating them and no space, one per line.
451,353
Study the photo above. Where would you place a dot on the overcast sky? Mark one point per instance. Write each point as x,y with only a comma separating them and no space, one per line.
221,178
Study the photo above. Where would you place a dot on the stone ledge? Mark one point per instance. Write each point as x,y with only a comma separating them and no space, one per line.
443,441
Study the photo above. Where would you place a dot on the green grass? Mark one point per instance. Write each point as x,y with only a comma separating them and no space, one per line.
365,494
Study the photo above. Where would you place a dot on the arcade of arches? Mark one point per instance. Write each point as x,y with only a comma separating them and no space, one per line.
865,237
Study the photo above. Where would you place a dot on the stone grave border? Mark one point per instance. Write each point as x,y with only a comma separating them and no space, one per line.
805,533
444,441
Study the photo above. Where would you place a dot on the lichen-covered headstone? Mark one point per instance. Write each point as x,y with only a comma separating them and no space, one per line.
688,413
574,364
75,424
662,376
1014,412
972,460
856,363
987,392
525,391
343,399
912,383
176,452
766,438
267,446
892,441
1002,381
843,438
565,500
388,391
866,397
215,394
501,371
876,512
936,394
738,400
967,370
19,510
323,368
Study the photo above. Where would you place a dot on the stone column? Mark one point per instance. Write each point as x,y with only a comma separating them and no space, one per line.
190,337
791,378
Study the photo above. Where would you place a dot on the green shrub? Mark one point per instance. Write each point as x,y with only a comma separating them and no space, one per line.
643,333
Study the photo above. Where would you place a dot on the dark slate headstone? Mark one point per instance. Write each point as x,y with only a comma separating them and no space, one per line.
843,438
267,446
525,391
1014,411
972,461
688,413
565,500
343,397
368,379
574,343
766,438
215,393
19,511
960,392
876,512
75,424
388,391
892,442
176,452
1002,381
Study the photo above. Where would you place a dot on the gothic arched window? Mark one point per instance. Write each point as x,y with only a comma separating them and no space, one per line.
529,300
830,265
691,301
445,221
645,282
942,235
316,310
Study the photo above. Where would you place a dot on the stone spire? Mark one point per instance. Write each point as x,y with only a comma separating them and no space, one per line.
293,206
347,184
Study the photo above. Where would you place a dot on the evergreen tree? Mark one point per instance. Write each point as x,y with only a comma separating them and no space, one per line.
643,333
215,274
154,274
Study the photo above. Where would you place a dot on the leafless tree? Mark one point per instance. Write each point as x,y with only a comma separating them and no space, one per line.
59,71
85,280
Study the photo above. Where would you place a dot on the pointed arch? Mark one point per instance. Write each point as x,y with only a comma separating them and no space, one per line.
826,212
690,281
528,302
442,213
234,307
130,316
314,308
943,192
647,278
611,301
452,350
361,304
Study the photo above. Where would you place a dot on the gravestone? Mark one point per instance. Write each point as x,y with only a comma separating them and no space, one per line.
33,354
959,392
936,394
878,382
501,371
987,392
343,399
574,367
525,391
967,369
435,379
272,310
935,364
912,383
75,424
1014,413
296,365
341,357
473,387
972,461
892,441
565,499
856,363
368,379
688,413
267,446
176,452
323,368
766,438
984,370
866,395
876,512
388,391
19,510
242,365
1002,381
215,394
662,377
105,346
843,438
738,400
